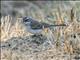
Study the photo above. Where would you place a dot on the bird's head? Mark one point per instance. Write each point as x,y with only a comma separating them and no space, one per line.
27,20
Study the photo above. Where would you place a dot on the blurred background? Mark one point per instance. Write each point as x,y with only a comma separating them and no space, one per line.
42,10
60,40
27,8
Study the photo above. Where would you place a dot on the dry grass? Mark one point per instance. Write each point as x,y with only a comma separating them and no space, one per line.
8,30
70,35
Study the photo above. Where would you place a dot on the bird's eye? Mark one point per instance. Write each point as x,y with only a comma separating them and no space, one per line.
26,19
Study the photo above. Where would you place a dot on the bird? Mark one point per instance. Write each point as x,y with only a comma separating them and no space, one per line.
35,27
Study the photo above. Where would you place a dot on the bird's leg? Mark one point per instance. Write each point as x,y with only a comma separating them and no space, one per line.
40,35
37,35
34,35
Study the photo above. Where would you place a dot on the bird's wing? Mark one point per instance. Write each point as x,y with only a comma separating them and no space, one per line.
36,25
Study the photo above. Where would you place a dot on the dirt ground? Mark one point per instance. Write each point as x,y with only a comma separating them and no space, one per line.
56,43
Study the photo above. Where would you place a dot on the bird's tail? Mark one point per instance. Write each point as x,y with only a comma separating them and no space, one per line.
55,25
58,25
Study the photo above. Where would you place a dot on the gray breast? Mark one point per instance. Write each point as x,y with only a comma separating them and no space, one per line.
33,31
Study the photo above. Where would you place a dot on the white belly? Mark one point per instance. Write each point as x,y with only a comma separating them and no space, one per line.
34,31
